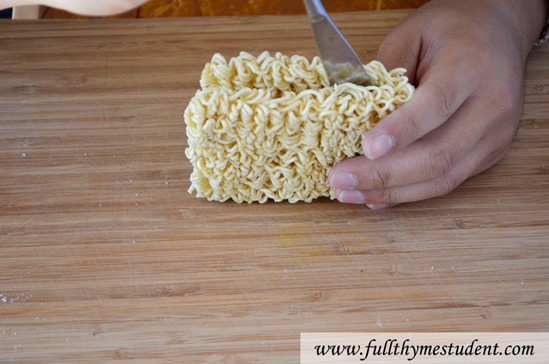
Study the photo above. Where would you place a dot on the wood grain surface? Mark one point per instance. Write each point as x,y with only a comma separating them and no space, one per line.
105,257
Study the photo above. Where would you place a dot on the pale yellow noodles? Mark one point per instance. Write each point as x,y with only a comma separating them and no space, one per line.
271,127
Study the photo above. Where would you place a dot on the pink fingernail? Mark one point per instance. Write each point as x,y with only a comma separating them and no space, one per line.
381,145
350,196
377,206
343,181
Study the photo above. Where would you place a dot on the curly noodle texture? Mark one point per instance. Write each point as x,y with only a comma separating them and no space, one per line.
271,127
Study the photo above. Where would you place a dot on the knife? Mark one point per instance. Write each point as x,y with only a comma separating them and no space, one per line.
338,57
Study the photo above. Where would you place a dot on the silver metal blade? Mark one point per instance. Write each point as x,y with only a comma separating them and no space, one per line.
338,57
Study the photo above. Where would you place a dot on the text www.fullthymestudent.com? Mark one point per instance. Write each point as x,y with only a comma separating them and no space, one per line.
404,348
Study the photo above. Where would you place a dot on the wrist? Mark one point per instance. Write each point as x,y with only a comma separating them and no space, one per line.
528,17
521,21
536,21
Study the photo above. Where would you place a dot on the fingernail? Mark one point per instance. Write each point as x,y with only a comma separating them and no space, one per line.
350,196
377,206
378,147
343,181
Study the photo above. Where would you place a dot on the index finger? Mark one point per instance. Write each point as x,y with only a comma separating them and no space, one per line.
441,91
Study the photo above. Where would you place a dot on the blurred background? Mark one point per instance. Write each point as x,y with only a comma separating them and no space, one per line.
178,8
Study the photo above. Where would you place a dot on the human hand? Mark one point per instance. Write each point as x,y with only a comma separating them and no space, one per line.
467,59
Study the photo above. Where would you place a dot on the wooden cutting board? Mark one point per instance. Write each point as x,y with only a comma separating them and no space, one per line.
104,255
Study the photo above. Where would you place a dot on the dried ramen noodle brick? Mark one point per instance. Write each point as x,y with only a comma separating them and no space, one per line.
271,127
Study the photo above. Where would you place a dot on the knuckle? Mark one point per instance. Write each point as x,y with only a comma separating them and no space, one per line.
413,126
383,195
446,184
444,101
387,195
441,162
507,103
379,179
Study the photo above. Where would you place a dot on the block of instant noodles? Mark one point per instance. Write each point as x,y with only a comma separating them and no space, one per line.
271,127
